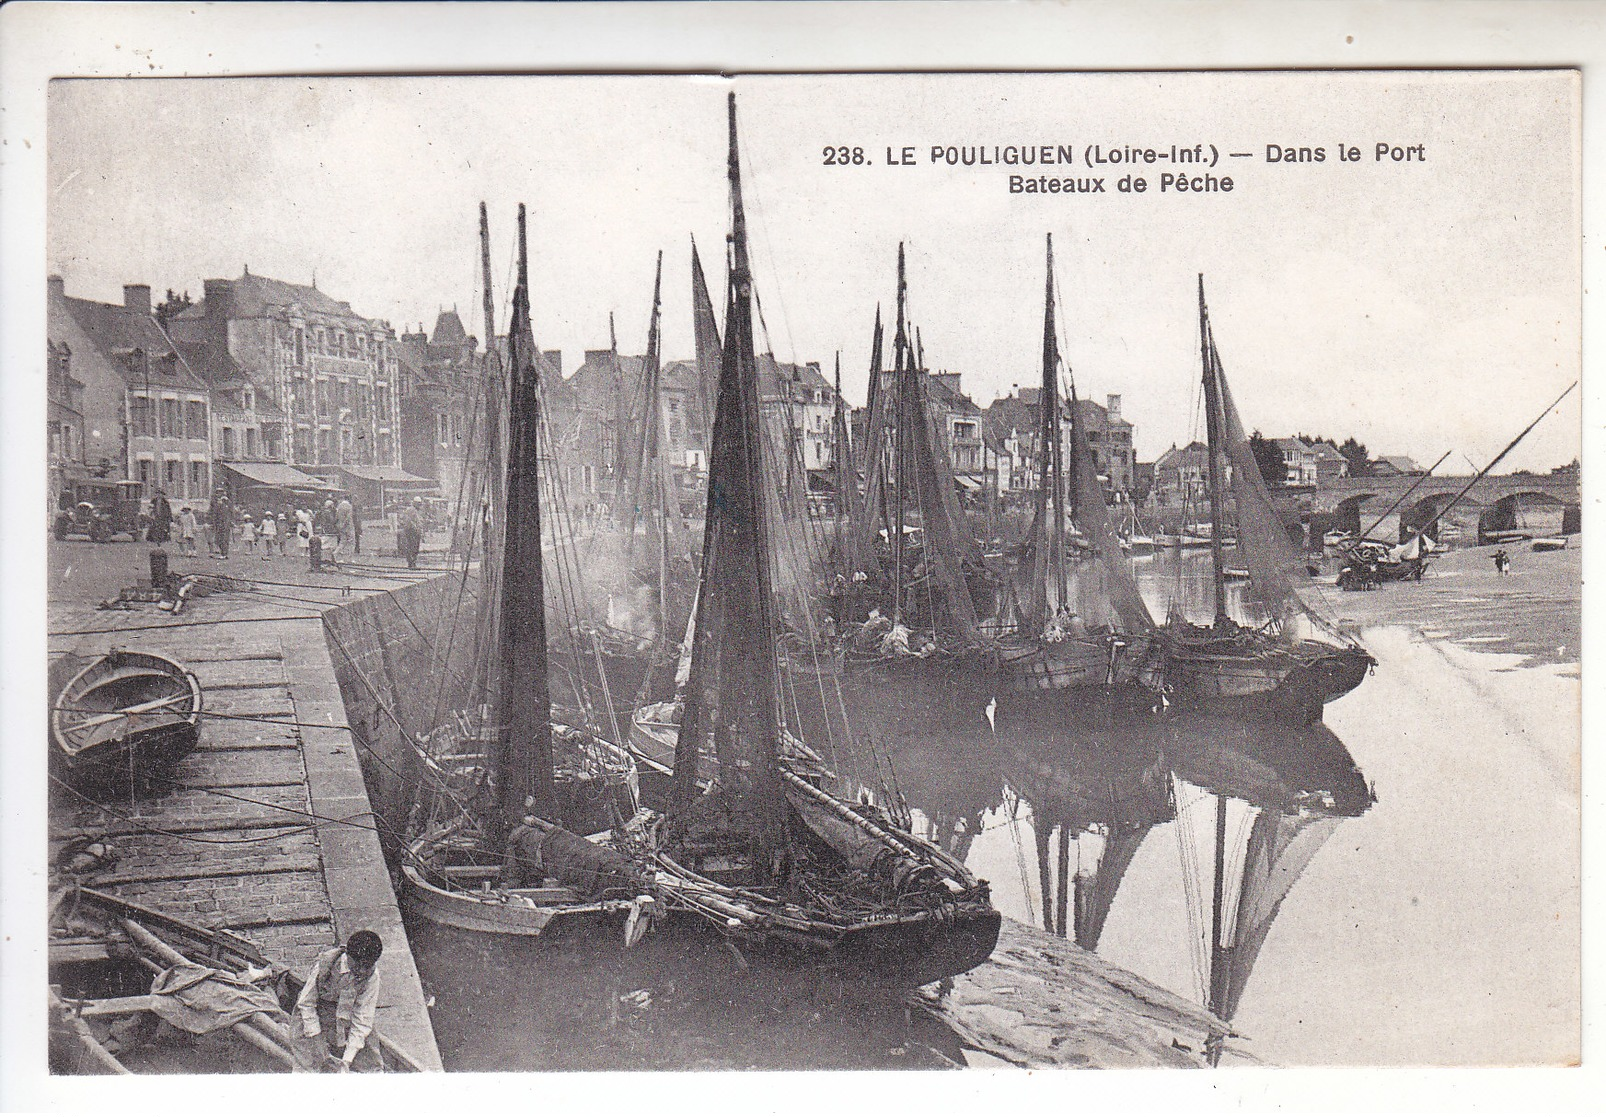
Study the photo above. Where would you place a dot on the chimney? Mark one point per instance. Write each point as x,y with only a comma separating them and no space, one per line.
137,298
1112,405
56,287
219,296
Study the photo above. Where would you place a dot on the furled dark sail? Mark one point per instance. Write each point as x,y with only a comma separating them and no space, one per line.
926,478
1047,533
523,759
1103,591
873,464
730,695
1274,566
705,330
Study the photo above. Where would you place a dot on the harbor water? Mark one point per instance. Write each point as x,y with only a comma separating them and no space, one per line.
1398,885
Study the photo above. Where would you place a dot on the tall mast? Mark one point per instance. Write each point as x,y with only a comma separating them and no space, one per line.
842,462
1049,542
901,358
491,510
1218,952
524,743
1216,435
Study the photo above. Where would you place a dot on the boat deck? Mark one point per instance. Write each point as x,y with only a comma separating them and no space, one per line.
268,830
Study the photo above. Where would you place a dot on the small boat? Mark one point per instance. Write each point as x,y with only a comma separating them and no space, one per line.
119,971
126,720
1550,543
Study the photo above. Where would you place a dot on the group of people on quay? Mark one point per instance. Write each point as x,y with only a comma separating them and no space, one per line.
334,529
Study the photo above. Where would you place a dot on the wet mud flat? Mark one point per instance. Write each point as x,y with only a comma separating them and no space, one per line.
1534,611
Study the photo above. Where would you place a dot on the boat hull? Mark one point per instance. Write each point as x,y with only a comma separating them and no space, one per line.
124,722
1286,682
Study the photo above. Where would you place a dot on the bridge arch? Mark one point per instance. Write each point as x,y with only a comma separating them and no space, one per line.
1533,510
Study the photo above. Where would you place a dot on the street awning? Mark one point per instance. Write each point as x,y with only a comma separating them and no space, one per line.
388,475
968,483
278,476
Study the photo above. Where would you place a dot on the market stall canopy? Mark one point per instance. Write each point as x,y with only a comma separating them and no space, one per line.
277,476
388,475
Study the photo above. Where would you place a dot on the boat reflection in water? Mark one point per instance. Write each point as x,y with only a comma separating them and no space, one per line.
1244,805
1249,804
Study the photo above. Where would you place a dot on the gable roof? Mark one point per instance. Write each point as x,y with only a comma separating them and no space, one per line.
117,332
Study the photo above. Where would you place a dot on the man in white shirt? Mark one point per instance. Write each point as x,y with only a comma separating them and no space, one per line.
334,1016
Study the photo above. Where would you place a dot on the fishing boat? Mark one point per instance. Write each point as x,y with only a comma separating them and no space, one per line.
496,847
1369,565
1290,661
785,861
1083,621
125,720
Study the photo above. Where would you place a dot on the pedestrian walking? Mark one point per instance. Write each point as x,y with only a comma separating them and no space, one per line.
161,528
303,528
345,530
220,521
187,527
323,527
248,531
410,535
269,531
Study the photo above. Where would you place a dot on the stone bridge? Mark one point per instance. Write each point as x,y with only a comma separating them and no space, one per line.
1377,493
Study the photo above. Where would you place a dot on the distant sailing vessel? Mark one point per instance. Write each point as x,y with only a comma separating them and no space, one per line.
1294,662
1084,622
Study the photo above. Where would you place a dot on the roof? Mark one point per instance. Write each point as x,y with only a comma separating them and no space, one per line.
278,476
1400,462
448,329
117,331
1290,444
255,295
1192,449
1326,451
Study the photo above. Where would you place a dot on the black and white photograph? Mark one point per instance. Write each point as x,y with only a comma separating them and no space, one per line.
782,571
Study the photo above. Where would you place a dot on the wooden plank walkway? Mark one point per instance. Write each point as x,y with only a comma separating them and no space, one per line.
267,829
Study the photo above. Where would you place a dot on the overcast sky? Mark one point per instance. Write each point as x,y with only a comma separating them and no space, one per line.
1421,306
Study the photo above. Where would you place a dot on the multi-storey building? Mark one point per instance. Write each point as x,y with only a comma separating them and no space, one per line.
1014,421
314,380
143,413
64,418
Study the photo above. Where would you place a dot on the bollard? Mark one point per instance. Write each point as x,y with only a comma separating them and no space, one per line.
158,568
314,554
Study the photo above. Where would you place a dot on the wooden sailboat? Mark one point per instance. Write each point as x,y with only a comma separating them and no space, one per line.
1085,623
786,861
1278,666
492,852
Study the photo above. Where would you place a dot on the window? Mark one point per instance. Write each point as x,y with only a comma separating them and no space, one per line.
140,416
250,442
147,475
198,478
385,453
303,445
173,474
228,442
383,399
323,446
195,419
301,347
172,420
322,391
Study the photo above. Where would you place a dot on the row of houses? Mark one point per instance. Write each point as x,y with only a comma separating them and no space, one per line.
261,385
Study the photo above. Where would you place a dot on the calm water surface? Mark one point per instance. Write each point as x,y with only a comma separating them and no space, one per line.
1397,885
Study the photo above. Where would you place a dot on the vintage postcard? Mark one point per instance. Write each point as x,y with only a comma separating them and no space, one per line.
813,571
